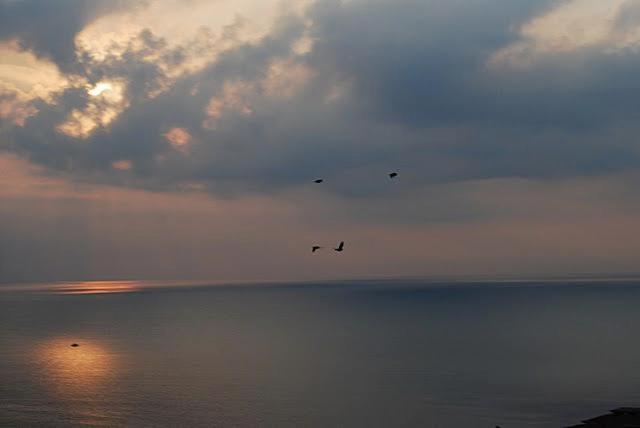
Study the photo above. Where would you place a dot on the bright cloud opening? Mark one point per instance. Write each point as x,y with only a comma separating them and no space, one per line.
99,88
107,102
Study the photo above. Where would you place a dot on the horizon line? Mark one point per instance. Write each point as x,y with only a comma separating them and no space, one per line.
122,285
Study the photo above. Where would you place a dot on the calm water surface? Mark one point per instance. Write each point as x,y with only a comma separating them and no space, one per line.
367,354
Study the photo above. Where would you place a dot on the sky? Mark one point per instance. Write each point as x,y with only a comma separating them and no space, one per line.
166,139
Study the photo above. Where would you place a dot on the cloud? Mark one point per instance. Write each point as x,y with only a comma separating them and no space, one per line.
575,26
106,102
49,28
23,79
240,100
180,139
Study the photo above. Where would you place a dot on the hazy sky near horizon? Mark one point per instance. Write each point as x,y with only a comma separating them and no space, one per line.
180,139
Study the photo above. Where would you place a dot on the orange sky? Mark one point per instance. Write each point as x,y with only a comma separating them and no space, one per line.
63,231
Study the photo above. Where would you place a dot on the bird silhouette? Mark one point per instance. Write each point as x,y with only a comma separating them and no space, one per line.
74,345
319,180
315,248
340,247
393,175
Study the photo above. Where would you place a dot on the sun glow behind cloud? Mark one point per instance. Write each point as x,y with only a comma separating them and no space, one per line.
107,101
180,39
99,88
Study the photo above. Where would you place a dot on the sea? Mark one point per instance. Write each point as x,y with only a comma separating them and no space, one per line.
370,353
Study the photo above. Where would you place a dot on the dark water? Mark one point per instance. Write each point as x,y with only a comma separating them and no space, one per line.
356,354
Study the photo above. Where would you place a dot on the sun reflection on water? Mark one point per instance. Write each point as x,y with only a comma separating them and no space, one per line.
81,377
107,287
70,369
97,287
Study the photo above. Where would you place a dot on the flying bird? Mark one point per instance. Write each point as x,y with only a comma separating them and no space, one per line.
340,247
393,175
315,248
319,180
74,345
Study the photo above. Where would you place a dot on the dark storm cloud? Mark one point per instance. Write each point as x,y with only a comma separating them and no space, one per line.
417,95
48,28
424,64
416,61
